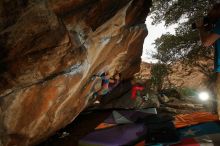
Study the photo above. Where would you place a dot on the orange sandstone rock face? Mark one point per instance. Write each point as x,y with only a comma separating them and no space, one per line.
48,52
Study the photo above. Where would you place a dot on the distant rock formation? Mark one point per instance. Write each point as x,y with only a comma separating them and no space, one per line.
145,71
194,76
50,49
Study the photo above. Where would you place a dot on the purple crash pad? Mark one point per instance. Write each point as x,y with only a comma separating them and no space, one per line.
115,136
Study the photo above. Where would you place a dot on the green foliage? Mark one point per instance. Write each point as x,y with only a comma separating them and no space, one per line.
171,11
184,45
186,92
158,73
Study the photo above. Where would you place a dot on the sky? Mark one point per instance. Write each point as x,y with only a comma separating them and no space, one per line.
154,31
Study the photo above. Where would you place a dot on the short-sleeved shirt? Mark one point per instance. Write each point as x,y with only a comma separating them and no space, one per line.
217,47
105,85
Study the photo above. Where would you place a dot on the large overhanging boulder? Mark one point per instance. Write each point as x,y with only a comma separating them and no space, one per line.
50,49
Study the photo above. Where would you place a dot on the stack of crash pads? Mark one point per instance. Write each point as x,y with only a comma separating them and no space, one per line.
123,129
196,129
199,135
183,120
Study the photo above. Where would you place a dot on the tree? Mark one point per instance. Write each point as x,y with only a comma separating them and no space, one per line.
158,73
171,11
184,45
181,47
